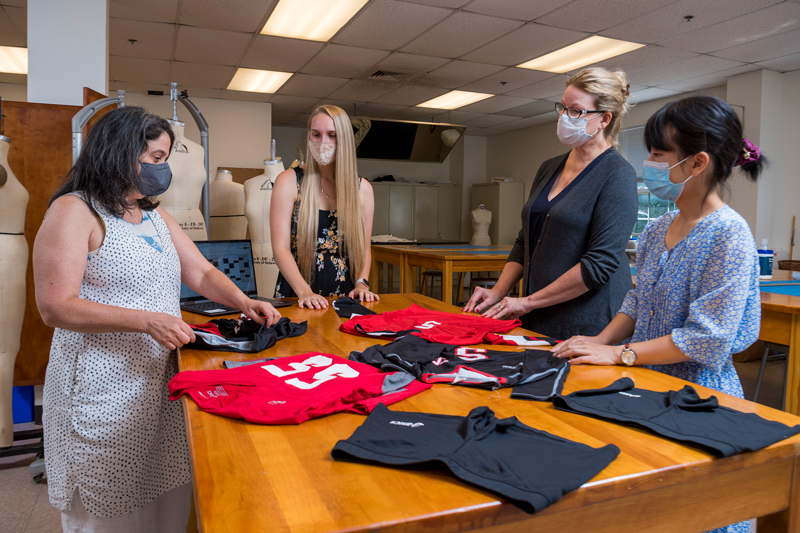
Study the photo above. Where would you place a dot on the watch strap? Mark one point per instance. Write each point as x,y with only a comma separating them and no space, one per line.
362,280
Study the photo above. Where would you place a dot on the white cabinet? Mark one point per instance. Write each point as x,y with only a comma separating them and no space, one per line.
505,201
417,210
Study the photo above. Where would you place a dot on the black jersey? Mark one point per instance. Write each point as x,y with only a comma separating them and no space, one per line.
534,374
529,467
243,335
680,415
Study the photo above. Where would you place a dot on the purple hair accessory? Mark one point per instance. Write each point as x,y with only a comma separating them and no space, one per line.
750,152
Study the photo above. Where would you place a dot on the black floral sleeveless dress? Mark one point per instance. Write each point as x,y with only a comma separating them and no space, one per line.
331,275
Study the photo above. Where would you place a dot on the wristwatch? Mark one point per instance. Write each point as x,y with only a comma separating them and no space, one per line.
628,356
361,280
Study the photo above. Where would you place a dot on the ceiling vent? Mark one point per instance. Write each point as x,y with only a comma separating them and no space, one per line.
392,76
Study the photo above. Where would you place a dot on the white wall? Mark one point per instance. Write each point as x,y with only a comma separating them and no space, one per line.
786,169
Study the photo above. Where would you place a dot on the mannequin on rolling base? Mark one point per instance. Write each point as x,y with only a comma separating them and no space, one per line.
182,199
13,268
257,196
226,216
481,220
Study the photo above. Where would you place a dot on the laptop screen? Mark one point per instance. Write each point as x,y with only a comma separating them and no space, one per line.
234,259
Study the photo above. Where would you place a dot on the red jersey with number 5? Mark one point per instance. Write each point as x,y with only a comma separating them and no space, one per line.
436,326
291,390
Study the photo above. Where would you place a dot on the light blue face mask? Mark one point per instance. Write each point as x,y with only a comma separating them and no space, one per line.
656,176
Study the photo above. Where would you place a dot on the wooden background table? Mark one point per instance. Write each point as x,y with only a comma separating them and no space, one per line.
250,477
780,323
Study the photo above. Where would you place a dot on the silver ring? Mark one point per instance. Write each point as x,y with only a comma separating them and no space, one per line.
499,306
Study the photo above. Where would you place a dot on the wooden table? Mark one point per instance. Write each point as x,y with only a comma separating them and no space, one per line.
461,258
780,323
249,477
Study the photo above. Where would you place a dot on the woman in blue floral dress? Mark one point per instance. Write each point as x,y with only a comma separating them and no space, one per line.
696,300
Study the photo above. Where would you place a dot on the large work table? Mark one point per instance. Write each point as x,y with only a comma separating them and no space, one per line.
250,477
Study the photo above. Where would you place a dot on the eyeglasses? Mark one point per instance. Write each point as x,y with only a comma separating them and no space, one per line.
573,112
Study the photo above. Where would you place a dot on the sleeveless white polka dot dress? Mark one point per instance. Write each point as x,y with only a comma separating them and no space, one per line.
109,427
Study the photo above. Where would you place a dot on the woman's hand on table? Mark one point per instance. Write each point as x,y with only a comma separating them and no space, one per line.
262,312
168,330
481,300
362,292
312,301
586,350
508,309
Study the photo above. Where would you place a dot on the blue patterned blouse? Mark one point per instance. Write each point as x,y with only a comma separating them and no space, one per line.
704,292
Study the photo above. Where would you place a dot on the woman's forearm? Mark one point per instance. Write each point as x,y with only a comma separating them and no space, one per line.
566,287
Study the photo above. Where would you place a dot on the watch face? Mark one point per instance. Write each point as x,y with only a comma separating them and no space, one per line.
628,357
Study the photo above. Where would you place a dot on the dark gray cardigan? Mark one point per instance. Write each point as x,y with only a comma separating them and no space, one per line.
591,225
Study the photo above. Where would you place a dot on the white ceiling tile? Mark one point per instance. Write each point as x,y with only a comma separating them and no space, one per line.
516,124
482,132
523,44
19,18
199,92
495,104
407,95
198,75
212,47
138,69
296,104
149,10
645,58
573,16
246,96
764,49
412,62
452,4
343,61
153,39
506,81
387,24
457,73
650,93
489,121
416,113
374,110
9,34
782,64
531,109
548,88
516,9
707,80
241,15
362,90
457,117
681,70
279,54
764,23
135,87
311,86
668,22
459,34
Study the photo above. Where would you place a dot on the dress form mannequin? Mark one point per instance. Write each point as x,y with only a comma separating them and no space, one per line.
182,199
257,195
481,220
13,267
226,216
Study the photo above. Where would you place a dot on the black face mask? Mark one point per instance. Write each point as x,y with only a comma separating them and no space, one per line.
154,179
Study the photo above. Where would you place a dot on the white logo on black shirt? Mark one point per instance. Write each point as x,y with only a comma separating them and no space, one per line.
409,424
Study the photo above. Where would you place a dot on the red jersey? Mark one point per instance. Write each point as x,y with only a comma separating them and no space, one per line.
435,326
291,390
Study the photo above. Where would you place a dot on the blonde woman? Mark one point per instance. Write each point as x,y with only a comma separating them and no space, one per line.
321,218
570,252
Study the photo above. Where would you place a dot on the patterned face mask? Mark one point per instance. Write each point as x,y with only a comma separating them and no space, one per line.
324,153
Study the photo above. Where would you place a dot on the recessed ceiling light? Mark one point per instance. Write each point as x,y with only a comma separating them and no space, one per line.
455,99
312,20
258,81
586,52
13,60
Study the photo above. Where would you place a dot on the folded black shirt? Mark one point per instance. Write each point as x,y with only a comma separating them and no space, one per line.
243,335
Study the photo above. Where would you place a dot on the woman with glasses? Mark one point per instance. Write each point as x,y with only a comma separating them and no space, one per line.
570,252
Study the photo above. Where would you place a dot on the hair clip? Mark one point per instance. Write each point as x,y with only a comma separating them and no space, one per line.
626,91
750,152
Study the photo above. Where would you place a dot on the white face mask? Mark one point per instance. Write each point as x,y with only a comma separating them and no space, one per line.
324,153
572,131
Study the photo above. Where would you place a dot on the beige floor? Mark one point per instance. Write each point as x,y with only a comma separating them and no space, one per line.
24,506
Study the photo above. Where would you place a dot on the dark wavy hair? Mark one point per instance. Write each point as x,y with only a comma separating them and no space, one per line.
702,124
107,169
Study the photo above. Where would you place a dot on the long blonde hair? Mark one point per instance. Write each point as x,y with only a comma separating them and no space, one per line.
350,220
610,91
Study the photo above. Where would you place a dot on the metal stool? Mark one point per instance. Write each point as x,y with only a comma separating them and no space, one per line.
780,355
429,275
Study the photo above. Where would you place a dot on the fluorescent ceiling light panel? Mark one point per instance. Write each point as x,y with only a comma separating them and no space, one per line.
455,99
591,50
258,81
312,20
13,60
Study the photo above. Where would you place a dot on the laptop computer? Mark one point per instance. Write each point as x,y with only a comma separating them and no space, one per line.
234,258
